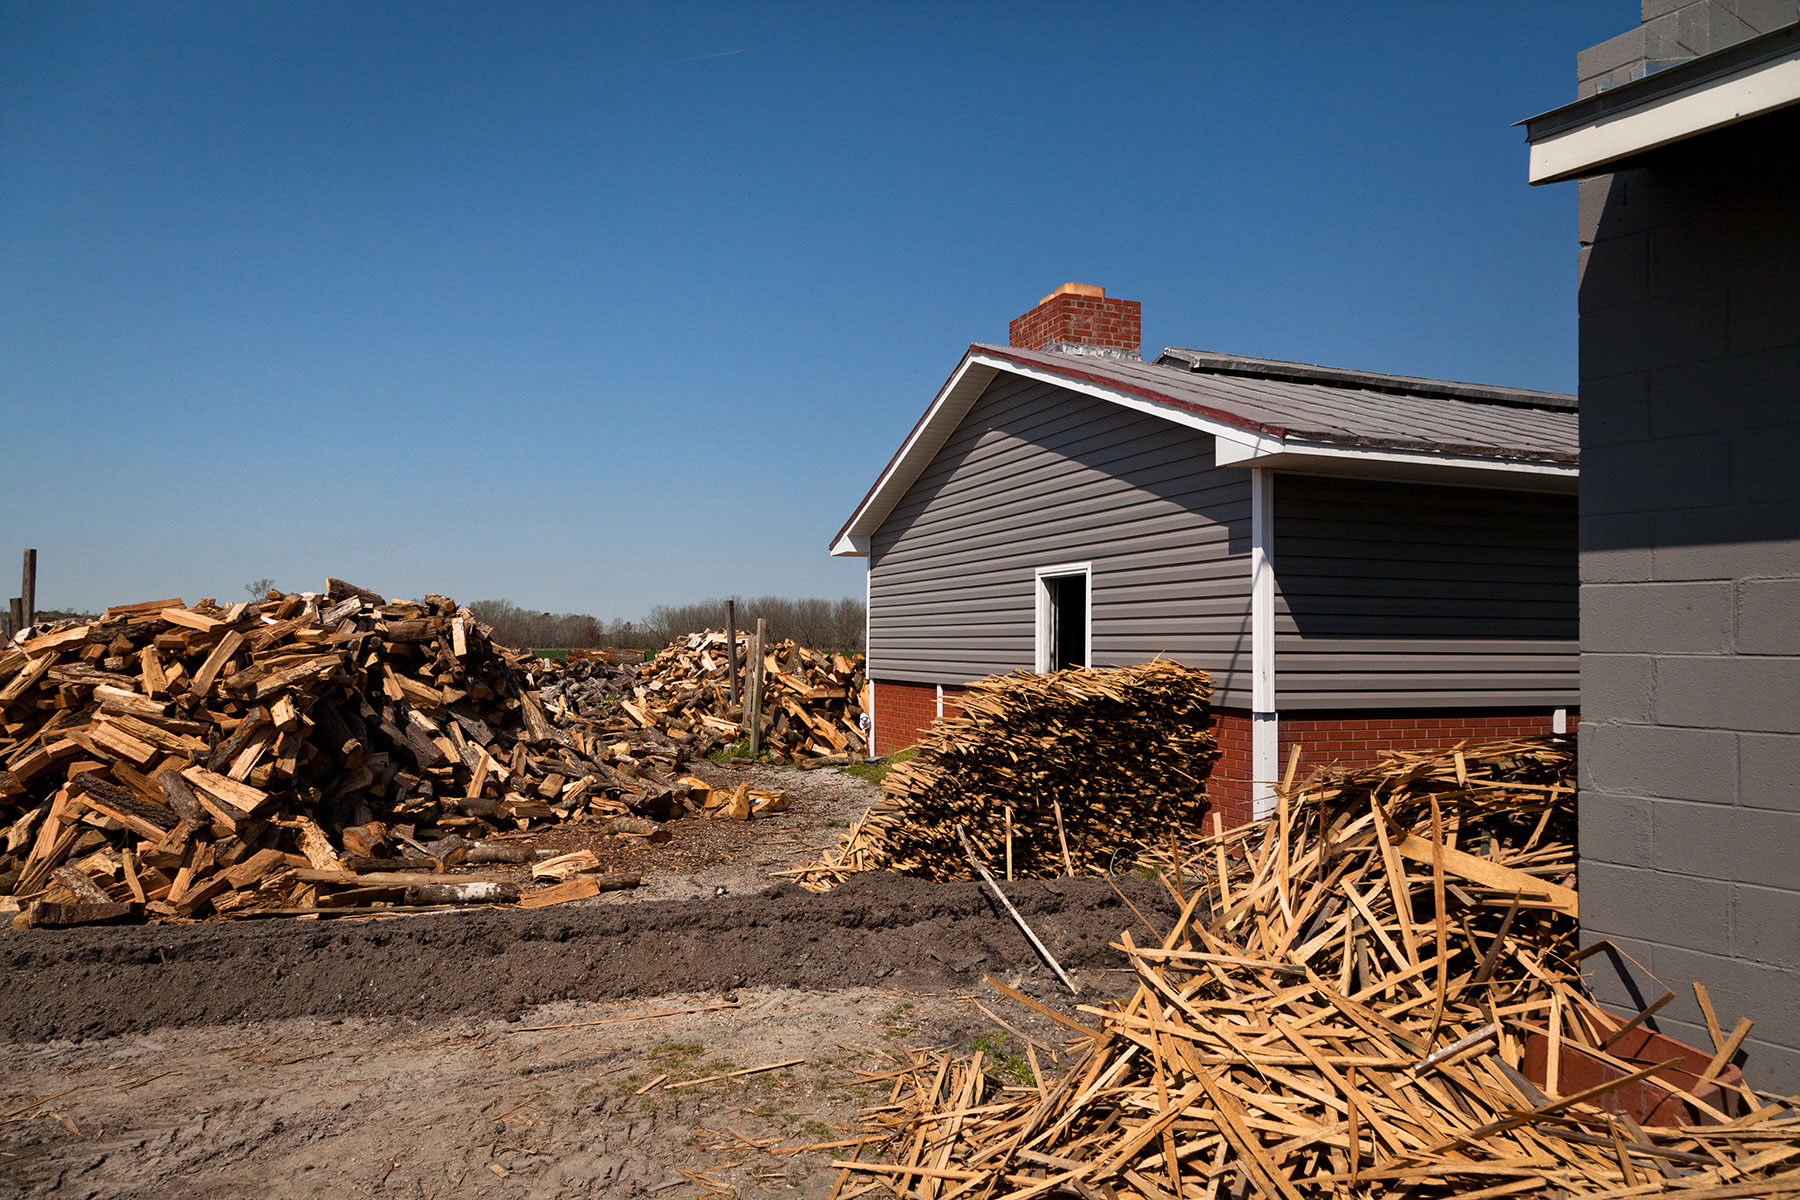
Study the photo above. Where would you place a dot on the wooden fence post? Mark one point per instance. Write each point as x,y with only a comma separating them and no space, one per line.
731,646
28,588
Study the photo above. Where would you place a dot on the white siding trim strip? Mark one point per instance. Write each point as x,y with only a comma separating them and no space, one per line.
1265,748
869,649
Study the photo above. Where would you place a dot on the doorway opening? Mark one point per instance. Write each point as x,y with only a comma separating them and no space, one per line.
1064,617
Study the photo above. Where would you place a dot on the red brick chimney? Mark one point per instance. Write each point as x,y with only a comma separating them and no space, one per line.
1080,315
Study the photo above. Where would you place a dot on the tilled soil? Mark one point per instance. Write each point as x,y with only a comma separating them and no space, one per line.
515,1053
877,929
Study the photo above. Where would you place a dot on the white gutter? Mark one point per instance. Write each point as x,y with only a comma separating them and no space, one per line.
1269,451
1265,724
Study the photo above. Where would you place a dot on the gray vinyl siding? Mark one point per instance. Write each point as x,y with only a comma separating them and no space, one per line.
1036,476
1403,595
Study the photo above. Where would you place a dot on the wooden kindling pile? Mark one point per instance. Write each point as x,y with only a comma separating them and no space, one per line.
1356,1001
1066,773
811,702
308,751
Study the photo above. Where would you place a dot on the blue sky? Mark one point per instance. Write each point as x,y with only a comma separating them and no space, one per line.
592,307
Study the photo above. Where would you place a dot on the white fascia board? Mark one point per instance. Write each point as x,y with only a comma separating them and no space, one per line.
1155,408
926,439
1290,456
1755,89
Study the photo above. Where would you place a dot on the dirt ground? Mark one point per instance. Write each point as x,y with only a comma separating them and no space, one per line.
513,1053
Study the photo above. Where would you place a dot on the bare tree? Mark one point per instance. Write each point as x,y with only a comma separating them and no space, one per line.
259,589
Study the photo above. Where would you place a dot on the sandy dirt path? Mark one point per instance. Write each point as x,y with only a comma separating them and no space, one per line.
316,1108
403,1057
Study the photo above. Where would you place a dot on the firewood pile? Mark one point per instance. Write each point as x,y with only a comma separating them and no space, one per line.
584,685
1374,993
309,752
1050,775
811,703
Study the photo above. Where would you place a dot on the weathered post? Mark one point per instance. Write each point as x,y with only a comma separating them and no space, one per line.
754,705
16,613
731,647
28,588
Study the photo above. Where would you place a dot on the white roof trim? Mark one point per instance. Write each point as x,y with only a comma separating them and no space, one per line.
1275,452
1709,104
1233,445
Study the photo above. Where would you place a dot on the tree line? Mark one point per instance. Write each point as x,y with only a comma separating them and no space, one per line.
819,624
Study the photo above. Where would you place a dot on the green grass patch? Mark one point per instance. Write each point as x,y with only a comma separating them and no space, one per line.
551,653
876,770
1008,1063
737,749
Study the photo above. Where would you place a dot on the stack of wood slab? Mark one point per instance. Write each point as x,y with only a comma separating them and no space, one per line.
811,704
298,753
1064,773
1373,994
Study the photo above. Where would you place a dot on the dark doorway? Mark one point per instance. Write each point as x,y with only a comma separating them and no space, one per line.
1068,620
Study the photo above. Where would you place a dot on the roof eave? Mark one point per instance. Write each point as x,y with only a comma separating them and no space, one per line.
1239,441
1597,134
1533,472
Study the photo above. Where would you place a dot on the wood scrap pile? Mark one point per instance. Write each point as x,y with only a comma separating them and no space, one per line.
811,704
305,752
1050,774
1379,998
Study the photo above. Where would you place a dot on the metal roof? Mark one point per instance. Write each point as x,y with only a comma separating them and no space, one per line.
1361,415
1292,416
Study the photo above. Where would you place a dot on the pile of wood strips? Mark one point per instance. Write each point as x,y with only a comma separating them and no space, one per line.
811,704
1378,998
307,752
1050,774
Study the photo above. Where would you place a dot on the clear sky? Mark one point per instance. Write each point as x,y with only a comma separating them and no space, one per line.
592,307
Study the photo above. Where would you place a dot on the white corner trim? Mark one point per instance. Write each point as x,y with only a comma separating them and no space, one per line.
868,648
1265,754
1265,748
940,702
1041,624
1754,89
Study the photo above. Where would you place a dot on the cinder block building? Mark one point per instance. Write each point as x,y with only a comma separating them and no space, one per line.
1362,561
1686,140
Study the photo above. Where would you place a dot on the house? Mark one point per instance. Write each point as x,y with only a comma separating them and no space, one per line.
1362,561
1686,140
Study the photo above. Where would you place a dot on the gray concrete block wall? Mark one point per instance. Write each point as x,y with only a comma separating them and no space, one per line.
1690,598
1674,30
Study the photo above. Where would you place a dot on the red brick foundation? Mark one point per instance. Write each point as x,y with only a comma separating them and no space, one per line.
904,712
1357,738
